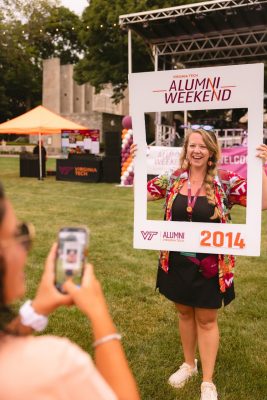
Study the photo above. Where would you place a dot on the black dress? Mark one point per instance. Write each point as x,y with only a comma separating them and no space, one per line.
184,283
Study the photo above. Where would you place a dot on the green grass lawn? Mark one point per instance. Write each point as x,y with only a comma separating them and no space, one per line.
146,319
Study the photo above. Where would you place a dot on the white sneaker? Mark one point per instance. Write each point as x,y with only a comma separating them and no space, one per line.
179,378
208,391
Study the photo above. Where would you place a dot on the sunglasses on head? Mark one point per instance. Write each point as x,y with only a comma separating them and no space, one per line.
197,126
25,234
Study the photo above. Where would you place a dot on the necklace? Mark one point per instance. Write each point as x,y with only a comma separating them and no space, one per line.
191,203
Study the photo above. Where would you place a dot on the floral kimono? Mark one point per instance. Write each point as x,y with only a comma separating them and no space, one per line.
229,189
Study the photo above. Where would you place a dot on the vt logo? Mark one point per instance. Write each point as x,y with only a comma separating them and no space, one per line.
65,170
148,235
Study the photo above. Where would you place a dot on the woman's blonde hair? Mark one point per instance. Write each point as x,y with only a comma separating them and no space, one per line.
211,141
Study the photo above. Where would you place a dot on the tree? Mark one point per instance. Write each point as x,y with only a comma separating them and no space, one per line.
105,58
31,30
59,36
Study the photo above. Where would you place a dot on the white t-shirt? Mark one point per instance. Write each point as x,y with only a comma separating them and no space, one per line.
46,368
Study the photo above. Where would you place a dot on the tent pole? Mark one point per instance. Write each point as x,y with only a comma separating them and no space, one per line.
40,155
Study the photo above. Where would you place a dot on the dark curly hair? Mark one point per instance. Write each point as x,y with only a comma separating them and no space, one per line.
6,315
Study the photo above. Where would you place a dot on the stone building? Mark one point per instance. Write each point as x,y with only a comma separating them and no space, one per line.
79,103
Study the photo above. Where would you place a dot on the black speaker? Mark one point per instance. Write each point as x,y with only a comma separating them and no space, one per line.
29,166
111,169
112,142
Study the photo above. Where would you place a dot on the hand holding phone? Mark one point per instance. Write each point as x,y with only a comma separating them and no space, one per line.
48,298
89,298
71,255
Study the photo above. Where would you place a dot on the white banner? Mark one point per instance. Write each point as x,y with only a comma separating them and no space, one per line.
161,159
237,86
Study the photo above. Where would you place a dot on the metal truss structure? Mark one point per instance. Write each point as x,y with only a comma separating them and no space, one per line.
208,33
236,47
190,9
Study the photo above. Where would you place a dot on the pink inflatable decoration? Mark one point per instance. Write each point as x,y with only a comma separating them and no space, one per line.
127,122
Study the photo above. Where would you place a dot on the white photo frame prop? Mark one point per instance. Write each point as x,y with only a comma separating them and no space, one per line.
236,86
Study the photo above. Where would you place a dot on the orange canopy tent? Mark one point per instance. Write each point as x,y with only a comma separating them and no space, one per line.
39,121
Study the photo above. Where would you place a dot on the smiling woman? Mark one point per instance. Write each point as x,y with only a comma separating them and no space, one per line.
197,283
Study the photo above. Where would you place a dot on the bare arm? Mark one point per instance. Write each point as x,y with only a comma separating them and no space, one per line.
262,154
46,300
150,197
15,327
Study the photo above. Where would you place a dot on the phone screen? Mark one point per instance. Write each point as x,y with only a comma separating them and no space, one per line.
71,253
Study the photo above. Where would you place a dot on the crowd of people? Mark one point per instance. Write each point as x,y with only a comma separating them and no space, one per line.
49,367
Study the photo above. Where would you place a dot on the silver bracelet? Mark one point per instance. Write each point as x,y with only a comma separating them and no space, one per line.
30,318
105,339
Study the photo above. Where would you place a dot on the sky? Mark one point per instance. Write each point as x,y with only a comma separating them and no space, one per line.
75,5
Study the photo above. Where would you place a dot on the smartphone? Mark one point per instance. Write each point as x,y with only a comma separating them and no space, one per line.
71,255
